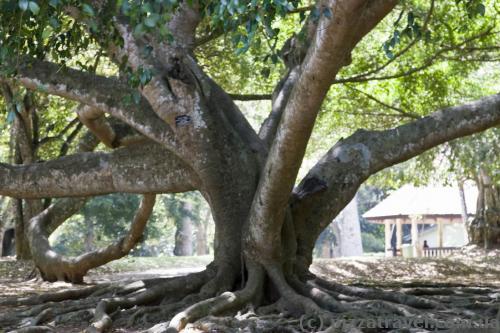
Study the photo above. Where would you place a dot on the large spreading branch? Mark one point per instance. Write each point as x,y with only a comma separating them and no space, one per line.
332,183
141,168
103,93
330,50
55,267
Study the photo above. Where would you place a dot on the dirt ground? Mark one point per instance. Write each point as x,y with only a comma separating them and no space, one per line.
471,267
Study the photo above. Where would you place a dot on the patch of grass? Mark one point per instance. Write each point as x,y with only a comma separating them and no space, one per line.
138,264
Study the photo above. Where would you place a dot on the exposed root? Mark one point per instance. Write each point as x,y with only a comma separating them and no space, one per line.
296,303
186,285
226,302
376,294
316,303
318,295
35,329
276,307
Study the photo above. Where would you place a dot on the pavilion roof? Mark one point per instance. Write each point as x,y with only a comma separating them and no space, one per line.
432,201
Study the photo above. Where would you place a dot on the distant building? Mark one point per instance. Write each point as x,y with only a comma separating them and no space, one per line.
436,215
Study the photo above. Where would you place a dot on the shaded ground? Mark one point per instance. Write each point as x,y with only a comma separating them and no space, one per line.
471,266
15,276
471,271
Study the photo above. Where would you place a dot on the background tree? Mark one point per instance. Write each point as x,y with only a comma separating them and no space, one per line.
189,212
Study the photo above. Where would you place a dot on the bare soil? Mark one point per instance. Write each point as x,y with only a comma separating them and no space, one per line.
469,268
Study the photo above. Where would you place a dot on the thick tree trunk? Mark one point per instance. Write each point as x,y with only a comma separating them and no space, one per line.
88,244
350,230
202,236
23,251
7,227
8,242
184,232
326,248
484,230
23,152
337,252
463,203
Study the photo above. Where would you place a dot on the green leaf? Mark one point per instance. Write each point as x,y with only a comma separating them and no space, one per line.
93,26
265,72
47,32
170,38
34,8
480,9
152,20
88,10
23,4
10,117
146,51
139,30
411,18
54,23
315,14
145,76
428,36
146,8
387,50
136,96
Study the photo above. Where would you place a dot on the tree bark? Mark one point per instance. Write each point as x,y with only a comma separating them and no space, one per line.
24,152
8,242
350,231
139,168
484,230
184,232
89,236
193,137
201,235
55,267
463,203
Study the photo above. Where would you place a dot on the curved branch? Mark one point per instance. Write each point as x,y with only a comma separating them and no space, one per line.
64,208
250,97
334,180
110,132
140,168
103,93
95,121
281,95
334,41
293,54
54,267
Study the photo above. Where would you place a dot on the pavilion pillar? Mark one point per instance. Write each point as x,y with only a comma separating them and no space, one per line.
388,237
414,237
399,235
440,232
